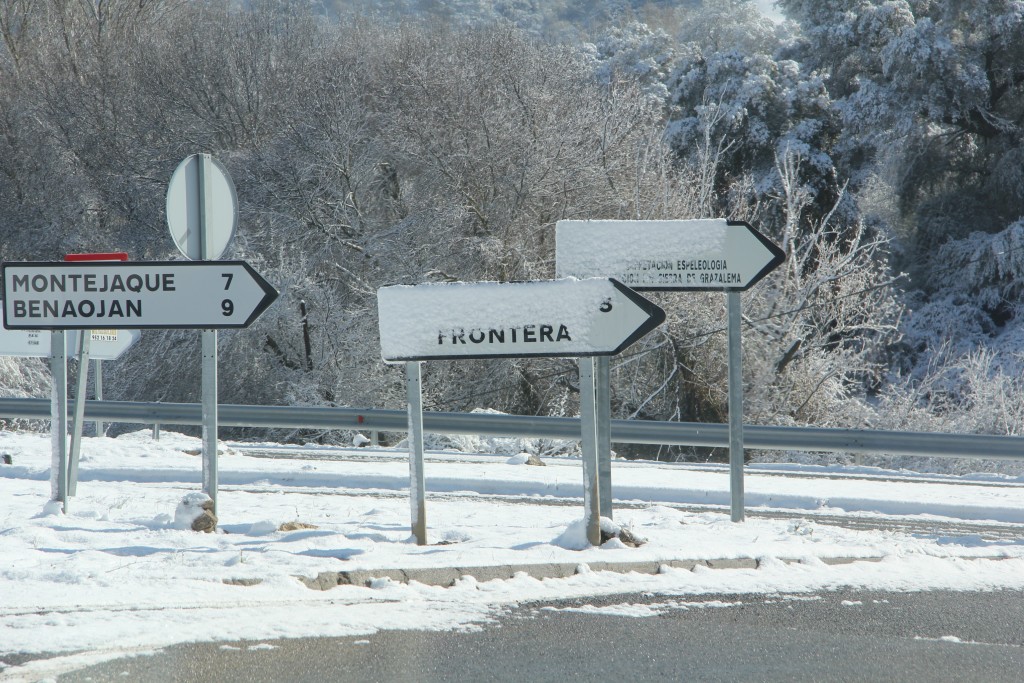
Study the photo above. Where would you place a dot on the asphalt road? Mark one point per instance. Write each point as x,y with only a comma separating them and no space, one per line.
840,636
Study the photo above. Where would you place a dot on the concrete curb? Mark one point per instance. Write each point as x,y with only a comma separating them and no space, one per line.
443,576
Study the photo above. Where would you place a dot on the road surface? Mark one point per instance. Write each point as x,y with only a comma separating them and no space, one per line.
839,636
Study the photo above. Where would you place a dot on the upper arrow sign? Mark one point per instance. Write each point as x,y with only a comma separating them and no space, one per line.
111,295
595,317
711,254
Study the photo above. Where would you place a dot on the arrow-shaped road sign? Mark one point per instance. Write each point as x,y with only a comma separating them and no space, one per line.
152,294
707,254
554,318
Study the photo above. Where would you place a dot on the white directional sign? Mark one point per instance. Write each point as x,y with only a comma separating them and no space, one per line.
104,344
113,295
553,318
707,254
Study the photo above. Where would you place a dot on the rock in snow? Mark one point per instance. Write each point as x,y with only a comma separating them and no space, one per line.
195,511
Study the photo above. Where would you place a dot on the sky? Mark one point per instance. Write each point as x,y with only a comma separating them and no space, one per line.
769,9
120,574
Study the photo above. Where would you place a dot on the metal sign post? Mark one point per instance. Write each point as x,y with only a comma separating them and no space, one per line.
84,340
603,422
209,380
735,406
202,214
417,482
697,255
589,447
30,343
98,383
59,419
83,347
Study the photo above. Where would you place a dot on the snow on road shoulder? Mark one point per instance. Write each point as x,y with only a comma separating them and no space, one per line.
117,568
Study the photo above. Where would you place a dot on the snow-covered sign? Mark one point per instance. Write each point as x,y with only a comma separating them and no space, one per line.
705,254
555,318
133,295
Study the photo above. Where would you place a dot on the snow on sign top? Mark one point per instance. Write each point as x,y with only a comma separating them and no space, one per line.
705,254
556,318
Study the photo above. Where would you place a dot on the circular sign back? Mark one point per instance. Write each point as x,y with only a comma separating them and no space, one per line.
202,208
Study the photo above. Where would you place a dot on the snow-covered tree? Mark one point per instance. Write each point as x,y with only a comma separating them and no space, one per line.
636,53
931,103
726,25
932,91
369,152
738,114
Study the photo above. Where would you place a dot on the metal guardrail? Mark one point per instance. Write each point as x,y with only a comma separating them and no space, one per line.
814,439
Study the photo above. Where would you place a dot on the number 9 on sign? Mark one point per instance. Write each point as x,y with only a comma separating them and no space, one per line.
227,307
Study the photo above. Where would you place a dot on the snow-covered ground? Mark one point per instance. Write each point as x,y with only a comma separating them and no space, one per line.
118,573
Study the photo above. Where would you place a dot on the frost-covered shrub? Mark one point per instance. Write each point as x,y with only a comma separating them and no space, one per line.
635,53
23,378
736,114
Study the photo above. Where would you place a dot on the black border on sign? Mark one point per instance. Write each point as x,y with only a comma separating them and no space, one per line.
778,257
656,316
269,293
